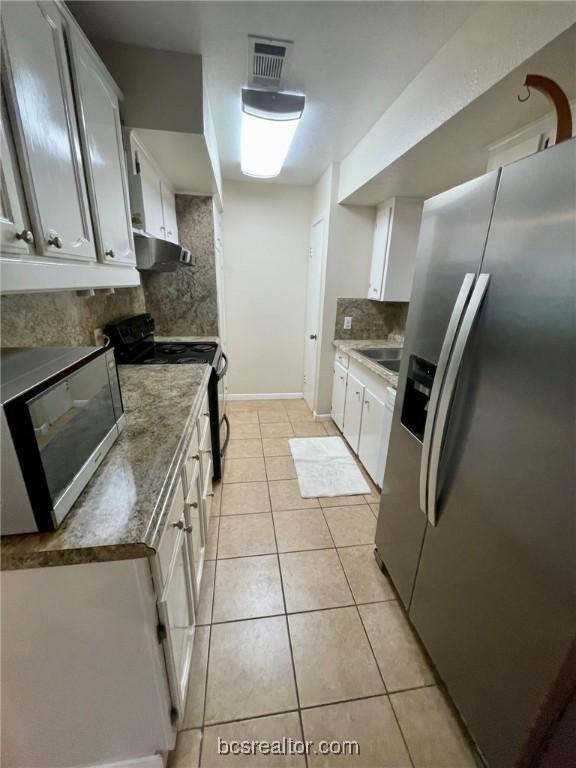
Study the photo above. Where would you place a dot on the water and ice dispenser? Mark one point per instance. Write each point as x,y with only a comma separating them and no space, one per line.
417,395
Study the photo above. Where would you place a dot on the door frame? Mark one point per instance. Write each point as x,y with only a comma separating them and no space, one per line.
319,220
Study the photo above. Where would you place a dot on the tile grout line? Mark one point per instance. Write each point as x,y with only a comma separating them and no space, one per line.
287,624
200,755
386,692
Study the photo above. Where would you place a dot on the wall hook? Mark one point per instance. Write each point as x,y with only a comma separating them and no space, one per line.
528,94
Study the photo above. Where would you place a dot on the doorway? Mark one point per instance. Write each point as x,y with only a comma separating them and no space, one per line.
313,302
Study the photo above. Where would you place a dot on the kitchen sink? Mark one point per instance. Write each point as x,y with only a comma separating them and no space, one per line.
380,354
390,365
387,357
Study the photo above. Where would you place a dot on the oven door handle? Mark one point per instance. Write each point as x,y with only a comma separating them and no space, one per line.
227,422
222,372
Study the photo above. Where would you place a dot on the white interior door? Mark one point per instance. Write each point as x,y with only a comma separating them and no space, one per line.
314,290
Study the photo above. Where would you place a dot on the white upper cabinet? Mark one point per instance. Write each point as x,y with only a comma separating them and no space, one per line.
152,201
16,236
394,250
103,153
45,130
169,210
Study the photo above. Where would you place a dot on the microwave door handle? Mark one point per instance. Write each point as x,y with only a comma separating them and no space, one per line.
222,372
447,344
448,391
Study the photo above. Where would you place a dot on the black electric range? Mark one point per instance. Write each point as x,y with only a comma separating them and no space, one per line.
134,344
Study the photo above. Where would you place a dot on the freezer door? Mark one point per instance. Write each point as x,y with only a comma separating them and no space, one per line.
451,244
495,594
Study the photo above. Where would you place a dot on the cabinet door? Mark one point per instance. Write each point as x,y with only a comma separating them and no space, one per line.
151,196
195,529
44,123
380,252
353,411
169,211
16,237
103,156
176,612
339,395
371,434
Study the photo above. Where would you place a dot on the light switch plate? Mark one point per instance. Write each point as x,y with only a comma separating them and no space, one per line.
347,323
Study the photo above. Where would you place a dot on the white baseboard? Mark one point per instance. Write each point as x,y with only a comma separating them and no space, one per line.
322,416
268,396
150,761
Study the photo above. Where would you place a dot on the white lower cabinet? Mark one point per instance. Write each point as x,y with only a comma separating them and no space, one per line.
353,411
369,448
176,613
362,406
339,395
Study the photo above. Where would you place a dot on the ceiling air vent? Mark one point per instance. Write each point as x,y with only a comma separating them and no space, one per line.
268,61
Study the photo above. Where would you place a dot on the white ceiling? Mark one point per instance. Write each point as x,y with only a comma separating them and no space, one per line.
352,59
458,150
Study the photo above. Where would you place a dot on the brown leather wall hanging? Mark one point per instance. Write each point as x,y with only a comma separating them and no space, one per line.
558,99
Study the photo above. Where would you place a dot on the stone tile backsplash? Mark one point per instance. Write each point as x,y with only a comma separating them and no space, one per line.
63,318
184,302
370,319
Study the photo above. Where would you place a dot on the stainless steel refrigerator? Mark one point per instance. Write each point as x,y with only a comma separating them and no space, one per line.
477,519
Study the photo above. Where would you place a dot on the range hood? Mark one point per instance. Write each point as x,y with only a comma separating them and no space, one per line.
157,255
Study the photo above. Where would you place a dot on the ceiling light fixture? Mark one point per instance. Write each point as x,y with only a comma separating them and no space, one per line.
269,122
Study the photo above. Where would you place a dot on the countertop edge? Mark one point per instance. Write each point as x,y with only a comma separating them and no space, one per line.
158,519
77,556
347,346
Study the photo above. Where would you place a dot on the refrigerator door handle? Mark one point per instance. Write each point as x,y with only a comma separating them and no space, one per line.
447,344
448,390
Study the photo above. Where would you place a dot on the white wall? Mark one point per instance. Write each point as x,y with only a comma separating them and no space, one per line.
492,42
349,232
266,232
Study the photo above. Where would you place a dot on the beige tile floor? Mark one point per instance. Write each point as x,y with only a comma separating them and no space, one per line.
299,633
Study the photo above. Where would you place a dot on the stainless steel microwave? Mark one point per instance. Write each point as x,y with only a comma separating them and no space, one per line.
61,413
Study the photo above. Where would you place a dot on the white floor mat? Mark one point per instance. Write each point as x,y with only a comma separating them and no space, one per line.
325,467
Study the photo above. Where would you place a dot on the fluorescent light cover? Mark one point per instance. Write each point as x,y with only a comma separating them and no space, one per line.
265,144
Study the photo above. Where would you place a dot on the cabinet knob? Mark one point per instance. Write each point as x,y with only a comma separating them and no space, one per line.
109,253
179,524
196,457
313,337
206,413
358,394
55,240
210,494
187,529
25,235
193,504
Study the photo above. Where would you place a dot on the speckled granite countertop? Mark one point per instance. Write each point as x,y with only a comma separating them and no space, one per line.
349,347
122,511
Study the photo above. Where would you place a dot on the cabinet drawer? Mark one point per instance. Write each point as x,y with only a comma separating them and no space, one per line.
169,537
342,359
